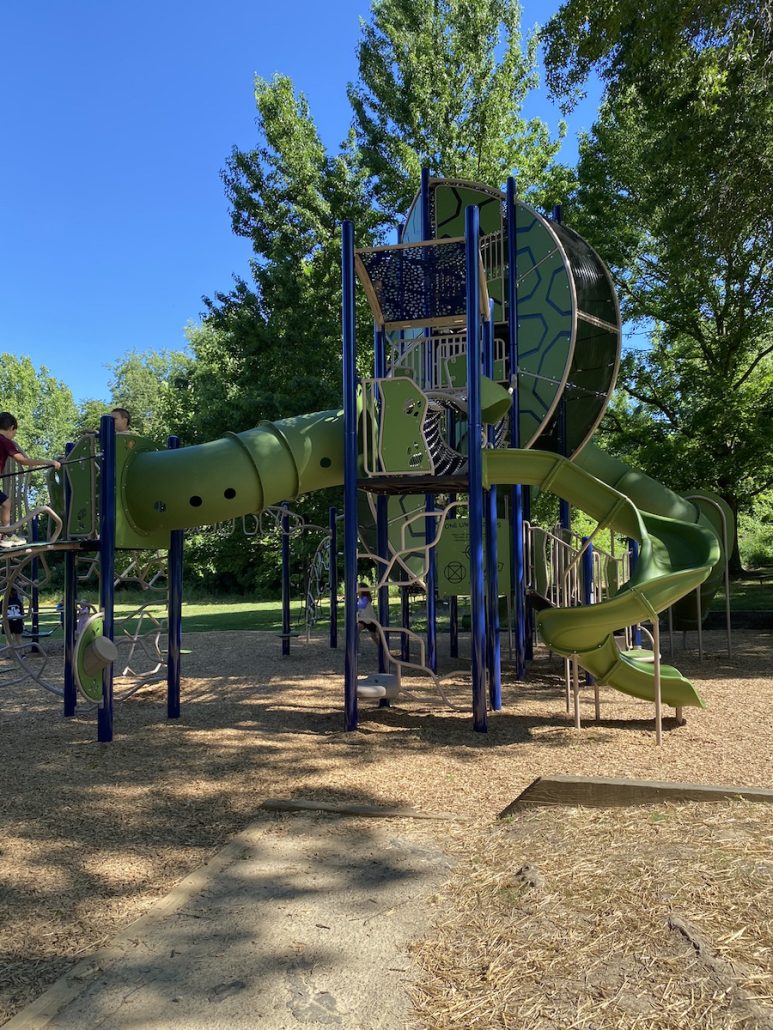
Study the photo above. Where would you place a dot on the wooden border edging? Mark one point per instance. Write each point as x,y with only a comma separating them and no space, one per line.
606,792
342,808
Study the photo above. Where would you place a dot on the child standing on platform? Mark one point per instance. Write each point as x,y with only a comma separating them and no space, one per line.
8,449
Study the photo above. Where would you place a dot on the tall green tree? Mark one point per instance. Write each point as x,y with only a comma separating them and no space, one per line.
442,84
141,384
43,405
674,189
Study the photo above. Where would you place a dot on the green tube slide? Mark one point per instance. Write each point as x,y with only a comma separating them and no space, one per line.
678,550
235,475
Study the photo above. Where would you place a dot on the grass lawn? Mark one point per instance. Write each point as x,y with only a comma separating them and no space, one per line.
749,594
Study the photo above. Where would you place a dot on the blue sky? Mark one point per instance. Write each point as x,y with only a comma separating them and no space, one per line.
116,121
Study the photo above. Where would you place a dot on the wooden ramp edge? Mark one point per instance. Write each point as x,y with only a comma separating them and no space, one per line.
606,792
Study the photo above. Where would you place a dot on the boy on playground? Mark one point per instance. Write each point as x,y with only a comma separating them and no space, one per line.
8,449
366,615
122,420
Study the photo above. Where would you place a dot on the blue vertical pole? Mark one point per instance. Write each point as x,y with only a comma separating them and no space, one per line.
285,579
175,613
35,593
475,469
68,613
493,655
107,567
517,572
350,473
429,523
332,515
633,558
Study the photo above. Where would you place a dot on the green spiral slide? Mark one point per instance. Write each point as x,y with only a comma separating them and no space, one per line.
245,472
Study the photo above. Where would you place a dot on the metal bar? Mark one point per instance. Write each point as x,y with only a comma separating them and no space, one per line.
633,557
517,586
430,528
35,593
493,655
68,607
350,473
107,567
528,650
333,573
475,470
175,612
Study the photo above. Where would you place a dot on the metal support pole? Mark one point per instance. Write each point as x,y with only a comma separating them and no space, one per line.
528,612
69,602
430,525
475,470
332,515
405,621
350,474
107,567
493,655
517,569
35,593
175,612
285,579
633,557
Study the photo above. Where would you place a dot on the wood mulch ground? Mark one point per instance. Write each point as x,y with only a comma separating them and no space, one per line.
92,834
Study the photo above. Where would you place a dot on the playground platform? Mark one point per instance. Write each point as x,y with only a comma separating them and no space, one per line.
302,919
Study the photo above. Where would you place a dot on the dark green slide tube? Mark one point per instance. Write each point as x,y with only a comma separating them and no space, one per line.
235,475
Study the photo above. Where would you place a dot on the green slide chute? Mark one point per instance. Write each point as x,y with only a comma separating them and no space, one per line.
676,555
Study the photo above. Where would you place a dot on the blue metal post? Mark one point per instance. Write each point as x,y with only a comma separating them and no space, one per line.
107,567
517,570
69,599
285,579
475,469
175,613
332,516
429,523
35,593
633,558
350,473
493,656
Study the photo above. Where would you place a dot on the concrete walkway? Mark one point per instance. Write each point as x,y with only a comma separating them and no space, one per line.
301,921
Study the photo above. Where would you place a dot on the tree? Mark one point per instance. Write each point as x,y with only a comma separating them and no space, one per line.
43,405
674,188
441,85
141,382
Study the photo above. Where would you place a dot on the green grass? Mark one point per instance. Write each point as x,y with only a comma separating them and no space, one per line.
748,594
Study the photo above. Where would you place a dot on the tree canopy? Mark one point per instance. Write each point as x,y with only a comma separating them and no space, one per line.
674,190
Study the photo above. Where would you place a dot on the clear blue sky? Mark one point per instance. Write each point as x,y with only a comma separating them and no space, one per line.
116,121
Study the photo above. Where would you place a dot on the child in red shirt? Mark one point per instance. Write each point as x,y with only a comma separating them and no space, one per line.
8,449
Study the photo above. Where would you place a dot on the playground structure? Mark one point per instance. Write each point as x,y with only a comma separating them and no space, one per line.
497,340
